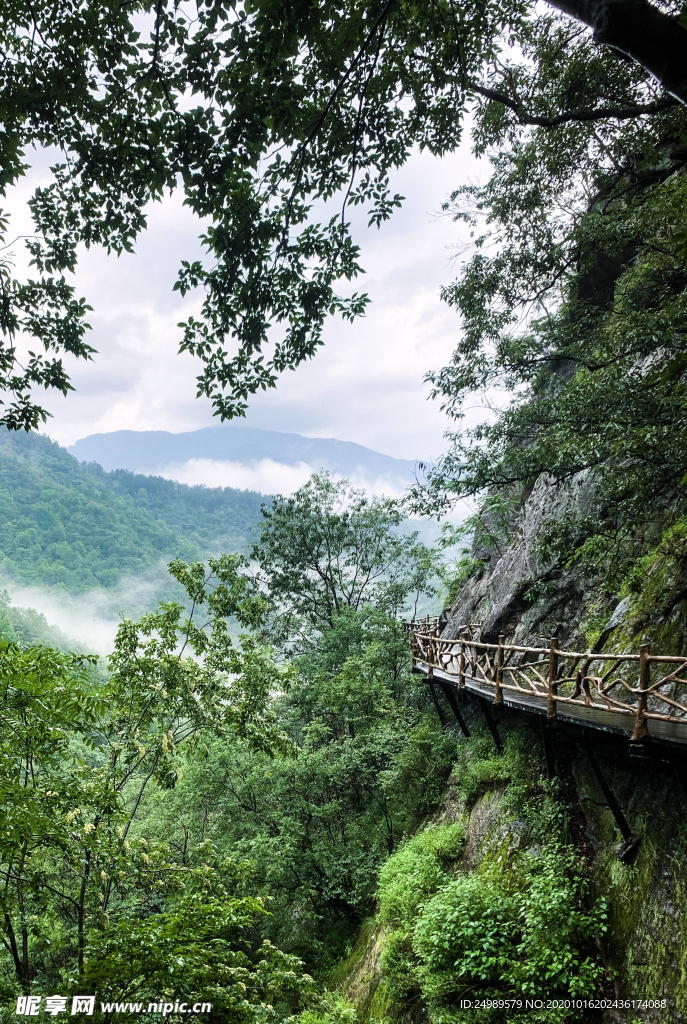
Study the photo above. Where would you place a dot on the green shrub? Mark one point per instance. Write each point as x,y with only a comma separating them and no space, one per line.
334,1009
656,585
479,767
522,928
519,934
417,870
398,964
559,923
466,939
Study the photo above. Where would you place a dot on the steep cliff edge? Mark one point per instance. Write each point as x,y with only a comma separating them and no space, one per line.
632,590
544,844
514,589
640,939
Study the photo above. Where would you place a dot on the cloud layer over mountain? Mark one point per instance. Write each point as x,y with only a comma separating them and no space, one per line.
234,455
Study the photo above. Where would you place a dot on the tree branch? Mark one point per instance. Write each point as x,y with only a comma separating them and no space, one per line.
583,114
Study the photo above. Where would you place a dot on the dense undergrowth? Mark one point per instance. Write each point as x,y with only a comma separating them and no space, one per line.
368,763
518,921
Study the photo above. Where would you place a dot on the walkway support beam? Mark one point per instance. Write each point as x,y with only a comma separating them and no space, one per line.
433,691
450,697
486,709
548,748
679,767
615,808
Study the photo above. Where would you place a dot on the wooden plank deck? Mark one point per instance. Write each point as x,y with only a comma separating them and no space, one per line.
669,733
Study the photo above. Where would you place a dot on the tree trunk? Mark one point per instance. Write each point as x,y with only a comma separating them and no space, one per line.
81,913
640,31
18,965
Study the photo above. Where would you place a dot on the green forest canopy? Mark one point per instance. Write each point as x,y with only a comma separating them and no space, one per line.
70,524
204,822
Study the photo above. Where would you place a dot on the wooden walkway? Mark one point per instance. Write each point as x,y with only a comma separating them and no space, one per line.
641,696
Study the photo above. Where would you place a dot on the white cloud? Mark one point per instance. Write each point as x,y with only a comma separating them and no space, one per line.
266,476
91,618
365,385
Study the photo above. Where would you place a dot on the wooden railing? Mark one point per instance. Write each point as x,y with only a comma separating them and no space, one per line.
637,688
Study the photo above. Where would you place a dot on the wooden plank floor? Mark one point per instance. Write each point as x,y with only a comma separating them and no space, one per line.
670,733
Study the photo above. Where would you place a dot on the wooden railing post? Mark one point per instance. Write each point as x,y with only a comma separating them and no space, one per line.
553,677
584,682
461,663
644,678
498,696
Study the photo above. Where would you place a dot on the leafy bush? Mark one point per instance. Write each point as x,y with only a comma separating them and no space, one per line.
511,936
479,767
334,1009
656,585
410,877
501,934
399,965
417,870
417,778
558,927
466,938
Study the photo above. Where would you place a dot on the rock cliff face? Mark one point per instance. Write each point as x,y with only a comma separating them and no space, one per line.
516,593
646,942
645,947
529,601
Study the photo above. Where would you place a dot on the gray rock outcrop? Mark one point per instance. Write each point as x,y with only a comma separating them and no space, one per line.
519,593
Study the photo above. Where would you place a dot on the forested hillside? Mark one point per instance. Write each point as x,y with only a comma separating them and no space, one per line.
215,519
207,821
69,524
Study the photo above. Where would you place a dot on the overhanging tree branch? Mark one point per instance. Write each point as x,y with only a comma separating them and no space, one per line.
583,114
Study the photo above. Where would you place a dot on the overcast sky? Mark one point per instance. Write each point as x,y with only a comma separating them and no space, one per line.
365,385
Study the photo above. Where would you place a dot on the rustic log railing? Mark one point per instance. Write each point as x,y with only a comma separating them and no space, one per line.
642,694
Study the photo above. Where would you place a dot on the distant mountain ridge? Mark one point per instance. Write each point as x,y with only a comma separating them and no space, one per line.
150,450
